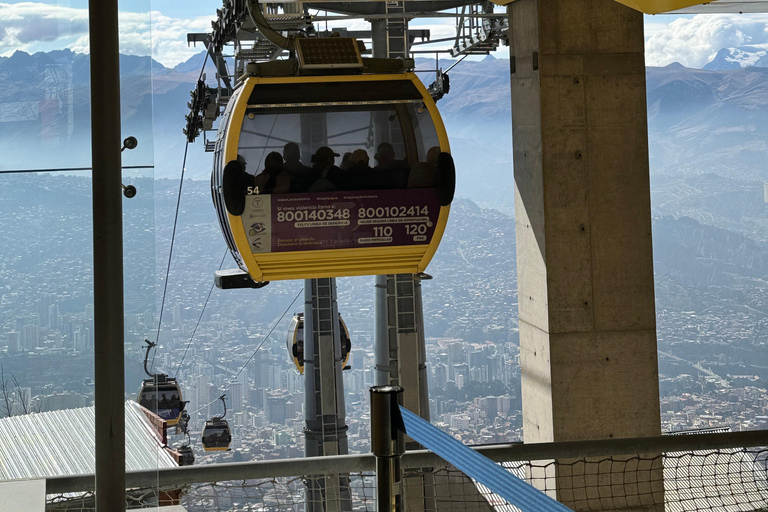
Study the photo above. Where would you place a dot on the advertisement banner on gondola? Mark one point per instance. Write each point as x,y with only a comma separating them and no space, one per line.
340,220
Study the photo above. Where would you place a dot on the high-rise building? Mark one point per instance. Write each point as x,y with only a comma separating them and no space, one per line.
256,398
13,341
176,314
30,337
244,379
236,396
459,369
441,375
274,376
276,401
42,305
53,316
457,352
78,341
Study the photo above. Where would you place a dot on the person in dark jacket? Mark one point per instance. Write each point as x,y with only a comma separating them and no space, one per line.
300,173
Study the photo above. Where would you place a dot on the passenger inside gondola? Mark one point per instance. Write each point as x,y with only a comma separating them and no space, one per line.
274,179
424,174
300,174
298,351
324,172
345,162
393,173
381,146
219,437
361,177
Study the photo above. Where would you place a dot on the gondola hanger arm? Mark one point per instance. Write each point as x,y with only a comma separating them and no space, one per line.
258,19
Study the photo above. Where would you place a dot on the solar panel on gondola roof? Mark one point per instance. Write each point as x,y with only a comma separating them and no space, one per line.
328,52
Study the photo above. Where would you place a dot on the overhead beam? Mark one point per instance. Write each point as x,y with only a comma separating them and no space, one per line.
726,6
688,6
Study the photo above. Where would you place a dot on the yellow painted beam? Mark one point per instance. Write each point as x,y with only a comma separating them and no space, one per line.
659,6
646,6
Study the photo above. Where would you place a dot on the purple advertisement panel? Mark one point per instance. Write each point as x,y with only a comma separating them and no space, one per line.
346,220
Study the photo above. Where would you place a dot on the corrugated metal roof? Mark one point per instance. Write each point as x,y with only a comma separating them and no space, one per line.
59,443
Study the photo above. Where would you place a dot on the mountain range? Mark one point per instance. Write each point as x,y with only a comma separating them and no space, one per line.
708,133
699,120
739,57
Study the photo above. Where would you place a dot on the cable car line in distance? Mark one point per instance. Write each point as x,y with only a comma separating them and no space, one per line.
68,169
170,251
255,351
173,235
221,265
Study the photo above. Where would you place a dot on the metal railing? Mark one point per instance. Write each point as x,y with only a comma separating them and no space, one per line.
704,472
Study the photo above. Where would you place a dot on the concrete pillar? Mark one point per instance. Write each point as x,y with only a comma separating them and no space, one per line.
583,222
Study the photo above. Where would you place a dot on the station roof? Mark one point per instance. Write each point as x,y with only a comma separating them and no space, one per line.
61,443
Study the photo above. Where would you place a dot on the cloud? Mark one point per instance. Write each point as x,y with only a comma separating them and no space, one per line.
34,26
38,26
24,24
694,42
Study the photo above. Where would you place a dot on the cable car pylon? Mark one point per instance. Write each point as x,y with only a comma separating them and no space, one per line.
289,216
324,407
399,343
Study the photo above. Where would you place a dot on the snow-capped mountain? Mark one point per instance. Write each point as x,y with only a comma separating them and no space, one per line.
740,57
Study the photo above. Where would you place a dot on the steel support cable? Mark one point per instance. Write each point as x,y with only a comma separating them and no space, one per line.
170,252
255,351
173,235
68,169
221,265
455,63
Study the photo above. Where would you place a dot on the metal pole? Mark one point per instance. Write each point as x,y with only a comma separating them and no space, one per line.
107,255
325,414
387,445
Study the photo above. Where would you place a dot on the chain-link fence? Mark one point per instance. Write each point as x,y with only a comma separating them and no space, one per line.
725,480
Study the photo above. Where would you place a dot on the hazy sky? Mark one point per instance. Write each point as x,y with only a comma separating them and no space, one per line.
160,27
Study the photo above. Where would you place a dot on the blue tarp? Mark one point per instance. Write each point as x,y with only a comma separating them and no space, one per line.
516,491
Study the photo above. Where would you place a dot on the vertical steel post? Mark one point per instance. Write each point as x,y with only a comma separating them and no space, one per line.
387,445
399,342
324,411
107,255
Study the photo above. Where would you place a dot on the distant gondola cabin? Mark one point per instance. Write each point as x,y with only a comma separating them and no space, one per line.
162,395
295,342
217,435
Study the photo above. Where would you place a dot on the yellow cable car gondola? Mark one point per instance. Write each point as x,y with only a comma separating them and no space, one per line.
292,207
295,342
217,436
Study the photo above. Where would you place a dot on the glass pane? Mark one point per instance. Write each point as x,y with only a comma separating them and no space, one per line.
397,141
46,291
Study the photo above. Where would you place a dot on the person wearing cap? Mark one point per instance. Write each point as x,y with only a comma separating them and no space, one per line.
300,174
324,171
